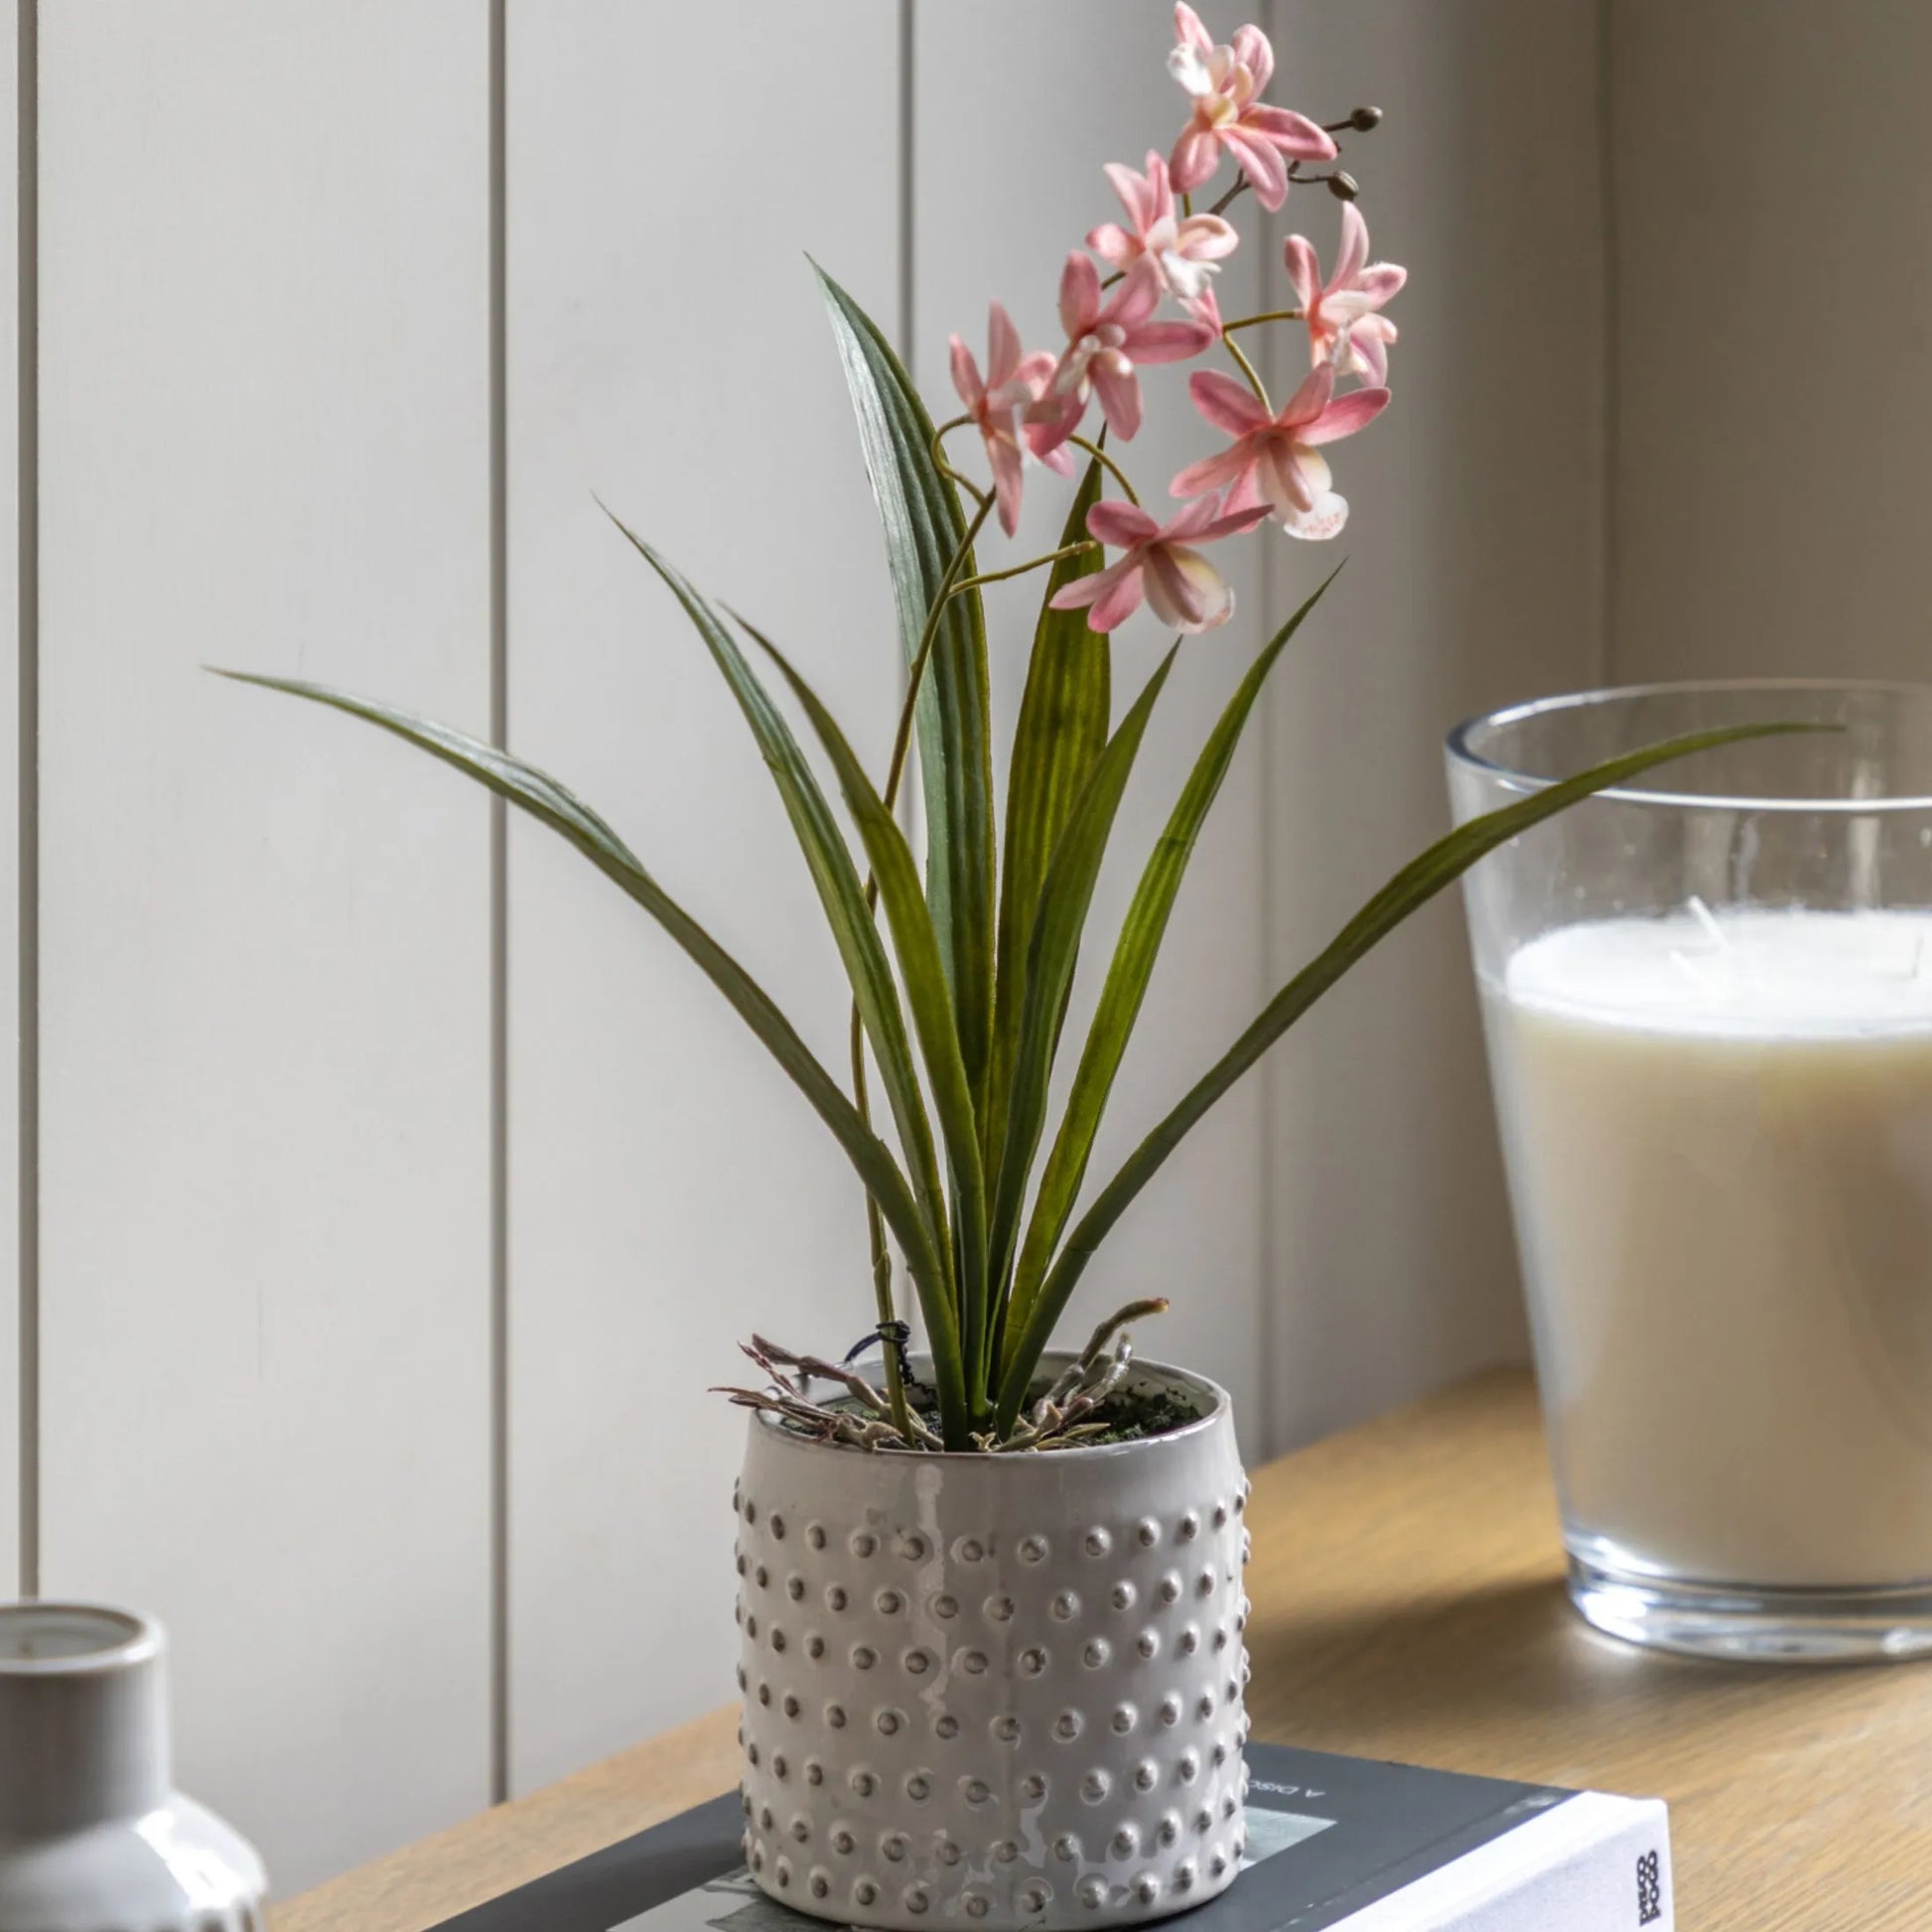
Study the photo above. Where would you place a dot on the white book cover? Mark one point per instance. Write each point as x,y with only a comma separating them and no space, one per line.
1334,1844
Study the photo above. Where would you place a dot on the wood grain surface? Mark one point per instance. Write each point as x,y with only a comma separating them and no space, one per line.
1408,1605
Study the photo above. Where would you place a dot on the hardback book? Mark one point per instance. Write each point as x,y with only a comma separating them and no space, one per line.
1334,1845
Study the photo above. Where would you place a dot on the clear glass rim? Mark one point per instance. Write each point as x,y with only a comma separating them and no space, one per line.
1462,752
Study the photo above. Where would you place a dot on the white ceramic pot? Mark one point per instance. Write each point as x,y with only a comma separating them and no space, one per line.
1004,1689
92,1837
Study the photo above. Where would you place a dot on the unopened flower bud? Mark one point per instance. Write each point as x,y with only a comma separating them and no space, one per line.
1366,120
1343,186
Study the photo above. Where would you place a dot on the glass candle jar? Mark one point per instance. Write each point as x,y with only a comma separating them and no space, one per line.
1709,1009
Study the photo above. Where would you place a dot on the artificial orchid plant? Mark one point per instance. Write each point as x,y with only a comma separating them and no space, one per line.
963,1019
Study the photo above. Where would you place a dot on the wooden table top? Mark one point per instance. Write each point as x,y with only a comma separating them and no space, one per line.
1408,1604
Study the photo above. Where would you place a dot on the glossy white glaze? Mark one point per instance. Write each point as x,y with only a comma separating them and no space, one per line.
1004,1690
93,1839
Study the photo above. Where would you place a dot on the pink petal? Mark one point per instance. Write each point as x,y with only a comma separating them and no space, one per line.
1187,28
1119,524
1311,399
1195,157
1120,599
1034,372
1368,349
1050,420
1113,244
1187,590
1291,478
1252,49
1003,459
1205,310
1246,494
1002,346
1233,522
1082,591
1079,295
1118,391
1136,298
1303,267
1168,342
1262,165
1211,472
1207,238
1324,520
1352,255
1381,282
966,375
1227,404
1159,195
1344,416
1294,134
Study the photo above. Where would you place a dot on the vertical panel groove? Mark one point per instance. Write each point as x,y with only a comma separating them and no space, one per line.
27,242
908,178
1606,667
499,1632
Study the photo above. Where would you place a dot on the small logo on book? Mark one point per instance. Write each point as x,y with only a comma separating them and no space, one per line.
1650,1889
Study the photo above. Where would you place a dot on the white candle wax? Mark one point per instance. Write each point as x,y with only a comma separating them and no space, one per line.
1720,1130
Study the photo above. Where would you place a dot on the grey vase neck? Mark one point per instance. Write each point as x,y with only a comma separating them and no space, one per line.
83,1719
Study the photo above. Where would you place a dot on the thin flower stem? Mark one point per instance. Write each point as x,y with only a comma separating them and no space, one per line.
1227,201
966,484
1106,462
1266,314
1020,570
1247,368
945,468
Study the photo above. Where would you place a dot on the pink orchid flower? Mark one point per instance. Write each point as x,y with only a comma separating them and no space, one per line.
1104,347
1186,251
1012,381
1344,326
1273,461
1226,83
1162,563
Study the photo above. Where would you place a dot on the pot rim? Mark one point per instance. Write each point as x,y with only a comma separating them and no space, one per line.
1219,1404
128,1639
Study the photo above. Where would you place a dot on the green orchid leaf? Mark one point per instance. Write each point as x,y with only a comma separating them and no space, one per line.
1414,886
1051,955
1127,975
1065,713
843,898
544,799
923,527
916,943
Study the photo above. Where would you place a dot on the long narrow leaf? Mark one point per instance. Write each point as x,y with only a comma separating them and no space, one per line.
923,972
551,804
1135,952
1062,730
1050,958
840,893
1417,883
920,515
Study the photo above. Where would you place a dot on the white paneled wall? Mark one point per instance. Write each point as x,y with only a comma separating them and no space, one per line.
263,936
273,346
669,1189
1474,576
1771,493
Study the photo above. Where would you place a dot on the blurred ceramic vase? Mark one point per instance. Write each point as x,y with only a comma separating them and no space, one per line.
93,1839
998,1689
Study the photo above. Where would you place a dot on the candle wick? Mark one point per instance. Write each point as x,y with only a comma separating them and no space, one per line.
1708,921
